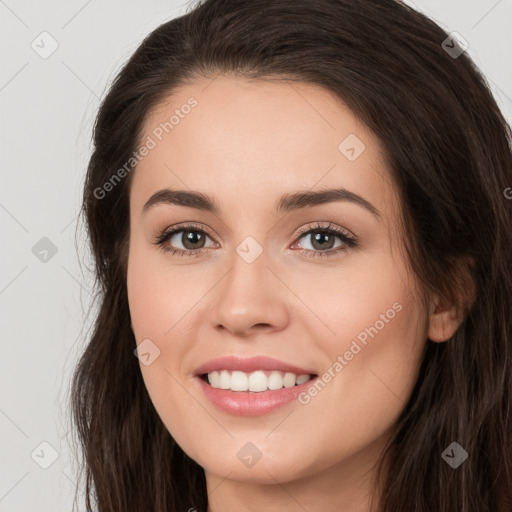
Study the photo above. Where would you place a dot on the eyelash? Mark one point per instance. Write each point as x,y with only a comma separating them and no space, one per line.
349,241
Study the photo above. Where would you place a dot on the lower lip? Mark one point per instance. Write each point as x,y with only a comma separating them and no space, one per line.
250,403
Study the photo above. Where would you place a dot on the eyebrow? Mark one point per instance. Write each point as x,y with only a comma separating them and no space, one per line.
286,203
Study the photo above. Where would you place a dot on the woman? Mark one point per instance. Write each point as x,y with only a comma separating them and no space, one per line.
300,228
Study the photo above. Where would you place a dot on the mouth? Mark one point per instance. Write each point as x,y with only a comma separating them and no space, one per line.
252,386
256,393
257,381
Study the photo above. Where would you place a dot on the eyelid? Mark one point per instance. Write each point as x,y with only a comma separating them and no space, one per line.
348,238
185,226
301,231
328,226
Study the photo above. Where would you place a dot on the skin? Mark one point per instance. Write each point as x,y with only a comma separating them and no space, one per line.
247,142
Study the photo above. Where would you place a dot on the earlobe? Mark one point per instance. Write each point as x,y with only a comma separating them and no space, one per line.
443,322
446,315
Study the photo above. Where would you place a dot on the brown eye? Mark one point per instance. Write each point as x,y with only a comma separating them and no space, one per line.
192,239
320,241
183,240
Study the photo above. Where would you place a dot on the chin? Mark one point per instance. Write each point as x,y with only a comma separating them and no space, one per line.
265,471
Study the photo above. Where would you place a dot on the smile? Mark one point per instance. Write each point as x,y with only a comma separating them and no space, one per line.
256,381
252,386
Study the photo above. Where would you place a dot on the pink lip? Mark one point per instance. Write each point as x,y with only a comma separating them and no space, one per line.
249,403
249,364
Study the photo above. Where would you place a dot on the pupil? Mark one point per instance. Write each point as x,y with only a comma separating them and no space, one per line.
317,239
191,237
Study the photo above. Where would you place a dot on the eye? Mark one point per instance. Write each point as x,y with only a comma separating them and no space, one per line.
191,237
322,240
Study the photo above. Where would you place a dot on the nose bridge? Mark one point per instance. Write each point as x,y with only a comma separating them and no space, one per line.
249,295
248,270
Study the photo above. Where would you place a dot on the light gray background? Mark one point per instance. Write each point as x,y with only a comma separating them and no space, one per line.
47,112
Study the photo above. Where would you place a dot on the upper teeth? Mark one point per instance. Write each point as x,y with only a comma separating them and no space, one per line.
259,380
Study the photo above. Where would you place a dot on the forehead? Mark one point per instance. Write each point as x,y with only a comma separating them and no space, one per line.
264,138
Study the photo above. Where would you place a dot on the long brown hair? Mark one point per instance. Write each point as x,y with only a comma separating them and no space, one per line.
447,146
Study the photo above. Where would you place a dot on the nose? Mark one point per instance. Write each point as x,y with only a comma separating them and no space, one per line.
250,299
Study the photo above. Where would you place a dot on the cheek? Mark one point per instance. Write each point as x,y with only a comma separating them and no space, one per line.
158,300
371,369
158,296
373,330
373,296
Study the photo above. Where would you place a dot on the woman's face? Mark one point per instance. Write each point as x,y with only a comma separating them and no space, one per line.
263,277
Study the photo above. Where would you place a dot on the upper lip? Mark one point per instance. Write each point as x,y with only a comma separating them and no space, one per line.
249,364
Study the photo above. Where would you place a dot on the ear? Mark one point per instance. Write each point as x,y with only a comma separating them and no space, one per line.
446,314
444,320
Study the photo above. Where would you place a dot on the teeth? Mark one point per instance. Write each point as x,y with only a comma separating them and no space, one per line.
301,379
224,379
275,381
239,381
259,380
